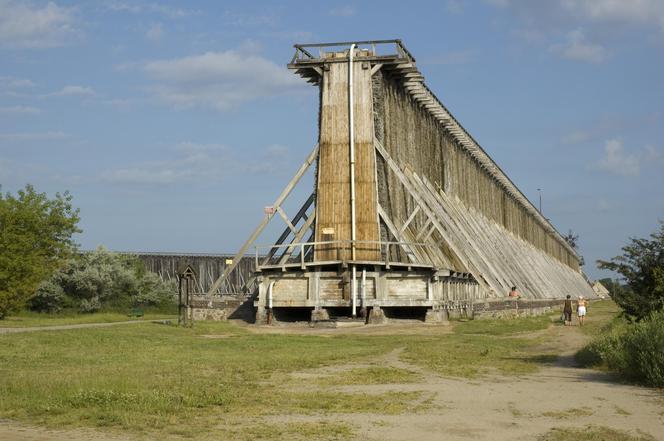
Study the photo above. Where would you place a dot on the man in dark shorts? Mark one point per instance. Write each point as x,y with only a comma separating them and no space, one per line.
567,311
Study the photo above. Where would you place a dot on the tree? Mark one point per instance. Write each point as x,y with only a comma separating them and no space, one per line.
573,241
642,267
35,240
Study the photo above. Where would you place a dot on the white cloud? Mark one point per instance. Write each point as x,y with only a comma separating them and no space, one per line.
249,20
33,136
454,6
19,110
12,83
24,25
155,33
203,163
622,11
593,11
617,161
578,48
74,91
191,162
147,8
218,80
343,11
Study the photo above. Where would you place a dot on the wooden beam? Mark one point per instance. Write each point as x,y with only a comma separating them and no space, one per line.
277,203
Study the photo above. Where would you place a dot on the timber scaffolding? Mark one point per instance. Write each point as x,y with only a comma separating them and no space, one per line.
408,210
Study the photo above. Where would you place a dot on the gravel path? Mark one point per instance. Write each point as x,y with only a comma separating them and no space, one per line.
77,326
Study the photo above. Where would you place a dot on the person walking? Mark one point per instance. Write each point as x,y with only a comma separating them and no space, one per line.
567,311
581,310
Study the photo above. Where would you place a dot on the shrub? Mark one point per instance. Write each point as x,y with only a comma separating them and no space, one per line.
644,346
636,351
50,297
90,305
102,279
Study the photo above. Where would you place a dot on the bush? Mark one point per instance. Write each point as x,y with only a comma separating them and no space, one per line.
644,346
635,351
102,279
50,297
90,305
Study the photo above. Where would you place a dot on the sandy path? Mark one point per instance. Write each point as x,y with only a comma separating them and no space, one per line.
77,326
513,408
10,431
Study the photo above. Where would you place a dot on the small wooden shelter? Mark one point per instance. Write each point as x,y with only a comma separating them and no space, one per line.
408,210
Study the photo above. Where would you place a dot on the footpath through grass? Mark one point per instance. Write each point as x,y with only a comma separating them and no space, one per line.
26,319
218,380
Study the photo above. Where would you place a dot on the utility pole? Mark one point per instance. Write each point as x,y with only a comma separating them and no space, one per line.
539,190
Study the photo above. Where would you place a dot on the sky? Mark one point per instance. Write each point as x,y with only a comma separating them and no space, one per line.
173,124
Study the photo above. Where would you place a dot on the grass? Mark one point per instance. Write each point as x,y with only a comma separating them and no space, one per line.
603,316
370,375
504,326
569,413
25,319
152,380
592,433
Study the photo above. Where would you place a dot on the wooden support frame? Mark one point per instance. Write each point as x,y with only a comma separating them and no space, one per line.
277,203
302,214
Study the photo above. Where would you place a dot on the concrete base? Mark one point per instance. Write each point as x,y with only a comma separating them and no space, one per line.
437,316
318,315
376,316
261,316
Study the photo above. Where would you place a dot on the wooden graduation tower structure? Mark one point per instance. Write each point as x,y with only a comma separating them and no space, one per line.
408,210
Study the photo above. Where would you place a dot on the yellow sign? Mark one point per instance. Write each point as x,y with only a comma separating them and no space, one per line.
229,261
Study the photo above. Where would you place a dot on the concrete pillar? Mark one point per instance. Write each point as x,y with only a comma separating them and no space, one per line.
261,311
319,314
376,316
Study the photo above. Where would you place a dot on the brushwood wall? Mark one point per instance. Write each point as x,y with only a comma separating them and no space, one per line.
208,268
413,137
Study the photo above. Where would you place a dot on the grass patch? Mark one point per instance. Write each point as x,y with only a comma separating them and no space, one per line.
325,431
569,413
371,375
165,378
26,319
469,356
603,316
504,326
592,433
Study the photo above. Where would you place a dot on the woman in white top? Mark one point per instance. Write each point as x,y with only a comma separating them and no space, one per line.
581,310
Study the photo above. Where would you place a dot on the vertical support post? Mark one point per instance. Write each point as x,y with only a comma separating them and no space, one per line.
353,287
269,303
351,125
363,292
179,300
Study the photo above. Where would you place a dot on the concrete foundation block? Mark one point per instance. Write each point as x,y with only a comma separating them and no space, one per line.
261,316
376,316
439,316
318,315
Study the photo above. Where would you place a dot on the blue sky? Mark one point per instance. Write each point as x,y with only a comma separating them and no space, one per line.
174,123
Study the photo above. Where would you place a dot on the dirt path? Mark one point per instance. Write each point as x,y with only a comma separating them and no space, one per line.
77,326
513,408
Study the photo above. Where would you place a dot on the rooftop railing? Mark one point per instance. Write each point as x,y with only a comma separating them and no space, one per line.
385,48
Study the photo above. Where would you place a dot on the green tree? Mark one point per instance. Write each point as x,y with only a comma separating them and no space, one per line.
35,240
573,241
642,267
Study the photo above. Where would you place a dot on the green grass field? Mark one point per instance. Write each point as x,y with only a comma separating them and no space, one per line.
218,379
